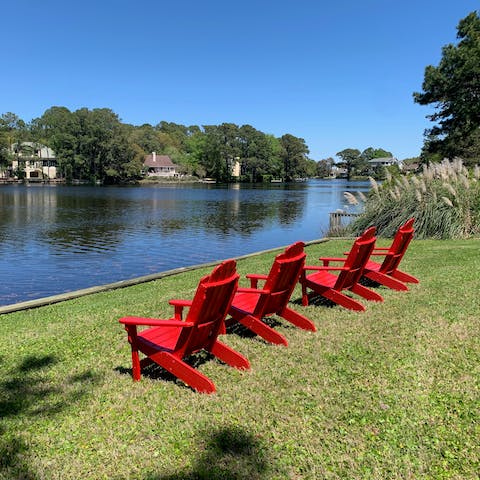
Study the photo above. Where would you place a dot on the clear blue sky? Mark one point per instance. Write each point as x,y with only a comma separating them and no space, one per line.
339,74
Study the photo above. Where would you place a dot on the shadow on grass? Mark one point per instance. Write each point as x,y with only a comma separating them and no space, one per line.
229,453
316,300
244,332
27,391
156,372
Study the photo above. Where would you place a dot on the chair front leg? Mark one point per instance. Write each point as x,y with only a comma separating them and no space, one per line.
133,340
303,283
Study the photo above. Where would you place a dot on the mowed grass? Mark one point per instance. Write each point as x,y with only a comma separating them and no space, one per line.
392,392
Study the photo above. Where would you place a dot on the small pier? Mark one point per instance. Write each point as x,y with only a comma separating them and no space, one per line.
339,221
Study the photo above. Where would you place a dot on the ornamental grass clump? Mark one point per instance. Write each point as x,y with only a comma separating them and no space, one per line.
444,199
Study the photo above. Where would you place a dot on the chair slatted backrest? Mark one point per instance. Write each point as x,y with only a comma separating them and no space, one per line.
209,308
398,248
282,279
356,260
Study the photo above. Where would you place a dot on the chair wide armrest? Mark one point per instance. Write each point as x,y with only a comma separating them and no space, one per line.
325,268
154,322
183,303
253,290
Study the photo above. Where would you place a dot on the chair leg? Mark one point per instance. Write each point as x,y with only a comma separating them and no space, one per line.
297,319
229,356
366,293
136,370
304,290
343,300
259,327
184,372
404,277
133,339
316,287
386,280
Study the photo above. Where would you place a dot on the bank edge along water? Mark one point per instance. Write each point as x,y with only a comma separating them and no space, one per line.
41,302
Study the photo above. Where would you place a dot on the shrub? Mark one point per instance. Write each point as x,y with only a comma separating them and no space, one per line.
444,199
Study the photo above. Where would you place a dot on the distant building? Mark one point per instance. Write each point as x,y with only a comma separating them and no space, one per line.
410,167
338,172
160,166
236,170
37,161
383,162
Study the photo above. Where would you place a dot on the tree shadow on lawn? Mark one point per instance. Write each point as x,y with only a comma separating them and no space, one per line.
26,392
230,453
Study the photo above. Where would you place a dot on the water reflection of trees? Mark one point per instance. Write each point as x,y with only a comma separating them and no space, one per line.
223,218
77,219
239,215
87,223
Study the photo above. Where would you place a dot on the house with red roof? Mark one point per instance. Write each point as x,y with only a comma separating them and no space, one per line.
160,166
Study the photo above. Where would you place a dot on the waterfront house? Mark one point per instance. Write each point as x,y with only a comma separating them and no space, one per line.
236,168
36,161
338,172
160,166
375,163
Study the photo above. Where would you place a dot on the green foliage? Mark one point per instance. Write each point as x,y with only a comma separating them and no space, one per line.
94,145
370,153
444,199
350,157
453,88
89,144
324,167
12,131
294,156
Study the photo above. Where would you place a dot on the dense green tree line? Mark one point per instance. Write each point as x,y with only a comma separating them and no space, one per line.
453,89
95,145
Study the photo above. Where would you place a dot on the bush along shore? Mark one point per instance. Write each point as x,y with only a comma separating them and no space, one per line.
444,199
388,393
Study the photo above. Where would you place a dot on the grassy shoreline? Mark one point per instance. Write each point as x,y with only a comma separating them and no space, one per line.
389,393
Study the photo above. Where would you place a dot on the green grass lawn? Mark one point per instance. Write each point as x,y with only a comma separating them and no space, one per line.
389,393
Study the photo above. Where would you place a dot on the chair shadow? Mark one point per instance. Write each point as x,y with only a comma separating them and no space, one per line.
229,453
26,392
366,282
237,328
316,300
156,372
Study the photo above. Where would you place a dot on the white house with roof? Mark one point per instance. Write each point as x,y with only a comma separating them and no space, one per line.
383,162
160,166
37,161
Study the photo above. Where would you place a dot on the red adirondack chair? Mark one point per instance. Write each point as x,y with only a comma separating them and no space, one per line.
251,305
330,286
168,342
387,272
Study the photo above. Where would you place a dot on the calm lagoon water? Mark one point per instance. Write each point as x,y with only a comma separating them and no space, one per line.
55,239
